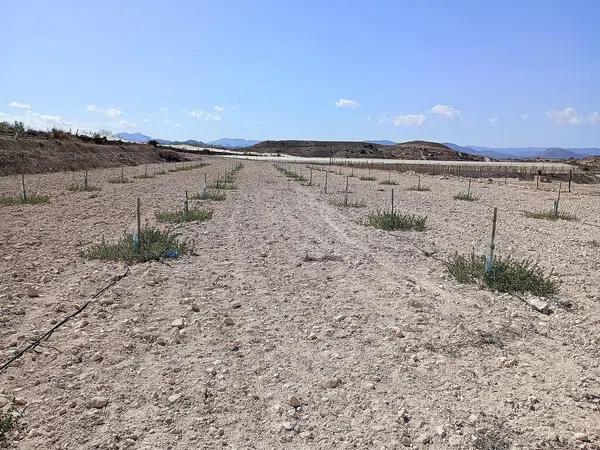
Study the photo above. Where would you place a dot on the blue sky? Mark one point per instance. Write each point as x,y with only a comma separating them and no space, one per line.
507,73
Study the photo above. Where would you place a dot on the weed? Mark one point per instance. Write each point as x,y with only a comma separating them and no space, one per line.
420,189
8,421
20,200
190,215
190,167
368,178
76,187
551,215
396,221
221,185
143,176
325,257
494,437
388,182
153,243
349,203
291,174
466,196
507,275
208,195
119,180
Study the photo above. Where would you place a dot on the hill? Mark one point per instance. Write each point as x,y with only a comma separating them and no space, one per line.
349,149
234,143
134,137
43,152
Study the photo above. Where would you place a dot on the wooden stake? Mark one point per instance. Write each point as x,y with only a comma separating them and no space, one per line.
469,188
205,184
23,185
346,196
186,205
570,178
419,184
85,180
392,200
139,226
557,201
122,175
310,180
326,182
489,264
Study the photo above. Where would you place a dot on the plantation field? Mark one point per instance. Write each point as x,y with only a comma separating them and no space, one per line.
292,322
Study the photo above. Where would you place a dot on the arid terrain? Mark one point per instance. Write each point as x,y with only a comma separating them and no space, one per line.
294,325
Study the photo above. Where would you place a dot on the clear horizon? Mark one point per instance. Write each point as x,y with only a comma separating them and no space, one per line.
470,73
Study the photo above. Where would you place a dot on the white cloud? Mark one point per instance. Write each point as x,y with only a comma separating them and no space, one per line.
162,109
177,125
347,103
20,105
109,112
524,117
409,120
565,116
126,124
205,115
446,111
494,121
219,108
37,121
594,117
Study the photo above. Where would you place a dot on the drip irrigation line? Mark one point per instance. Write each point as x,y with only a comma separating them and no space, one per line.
48,333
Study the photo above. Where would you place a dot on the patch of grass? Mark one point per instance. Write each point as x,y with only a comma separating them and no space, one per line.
119,180
143,176
19,200
79,187
8,421
369,178
189,167
291,174
349,204
208,195
550,215
396,221
191,215
492,437
222,185
388,182
508,275
324,257
154,244
419,188
466,196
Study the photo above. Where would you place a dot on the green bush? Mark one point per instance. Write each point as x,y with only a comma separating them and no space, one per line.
396,221
154,244
507,275
208,195
551,215
29,200
466,196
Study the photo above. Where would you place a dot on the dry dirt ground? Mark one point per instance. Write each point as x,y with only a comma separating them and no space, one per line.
367,343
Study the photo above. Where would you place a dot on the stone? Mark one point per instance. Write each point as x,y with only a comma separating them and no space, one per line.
582,437
332,383
20,401
228,321
177,323
294,402
195,308
99,402
287,426
4,401
32,292
174,398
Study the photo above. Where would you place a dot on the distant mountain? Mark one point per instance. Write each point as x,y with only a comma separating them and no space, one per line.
234,143
526,152
163,141
191,142
134,137
382,142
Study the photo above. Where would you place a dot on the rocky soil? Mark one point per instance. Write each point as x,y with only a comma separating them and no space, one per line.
295,326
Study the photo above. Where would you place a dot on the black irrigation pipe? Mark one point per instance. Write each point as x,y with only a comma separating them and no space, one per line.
48,333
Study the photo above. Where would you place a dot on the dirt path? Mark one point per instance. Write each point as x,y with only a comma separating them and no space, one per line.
365,343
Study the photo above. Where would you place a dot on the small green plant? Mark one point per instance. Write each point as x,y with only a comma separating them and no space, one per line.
119,180
367,178
348,203
143,176
77,187
291,174
208,195
8,421
219,184
466,196
396,221
20,200
152,245
184,215
188,167
388,182
507,275
551,215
